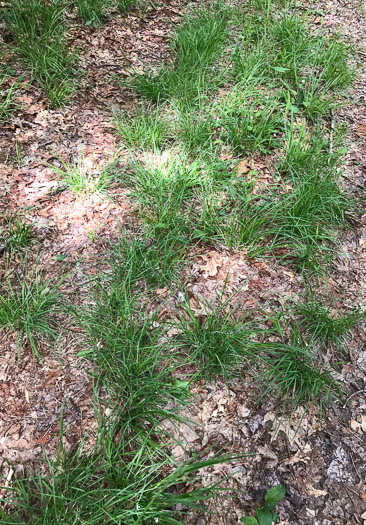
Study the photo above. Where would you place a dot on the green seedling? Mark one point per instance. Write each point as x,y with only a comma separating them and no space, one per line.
85,175
266,514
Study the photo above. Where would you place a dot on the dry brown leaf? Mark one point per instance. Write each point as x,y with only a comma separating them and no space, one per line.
256,165
358,427
161,291
13,430
26,99
316,493
243,167
361,131
213,262
301,455
289,274
173,331
26,393
267,453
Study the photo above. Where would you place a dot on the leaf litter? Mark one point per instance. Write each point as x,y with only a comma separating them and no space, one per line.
319,460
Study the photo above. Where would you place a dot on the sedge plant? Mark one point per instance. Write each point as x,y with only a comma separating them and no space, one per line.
30,304
85,175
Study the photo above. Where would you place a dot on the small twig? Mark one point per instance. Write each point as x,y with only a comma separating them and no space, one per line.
354,394
111,65
353,463
27,123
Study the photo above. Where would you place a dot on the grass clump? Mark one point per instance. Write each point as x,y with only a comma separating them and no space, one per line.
313,205
85,176
116,480
326,326
94,12
155,261
238,218
333,58
311,152
126,349
206,216
91,11
281,52
297,376
7,97
199,40
39,33
195,46
29,306
124,6
161,186
297,54
250,65
144,129
248,225
250,122
300,215
212,338
196,129
17,232
168,190
310,213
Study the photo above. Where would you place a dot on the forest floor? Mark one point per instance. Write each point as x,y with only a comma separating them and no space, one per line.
319,454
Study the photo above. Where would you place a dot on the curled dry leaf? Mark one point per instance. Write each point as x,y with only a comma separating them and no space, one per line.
301,455
316,493
358,427
214,260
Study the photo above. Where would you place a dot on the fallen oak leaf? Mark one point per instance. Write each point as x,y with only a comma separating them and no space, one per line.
26,99
243,167
300,456
44,438
213,262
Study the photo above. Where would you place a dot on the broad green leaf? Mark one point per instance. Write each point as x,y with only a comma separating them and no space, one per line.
182,389
275,517
264,516
84,353
199,234
181,384
274,495
249,520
